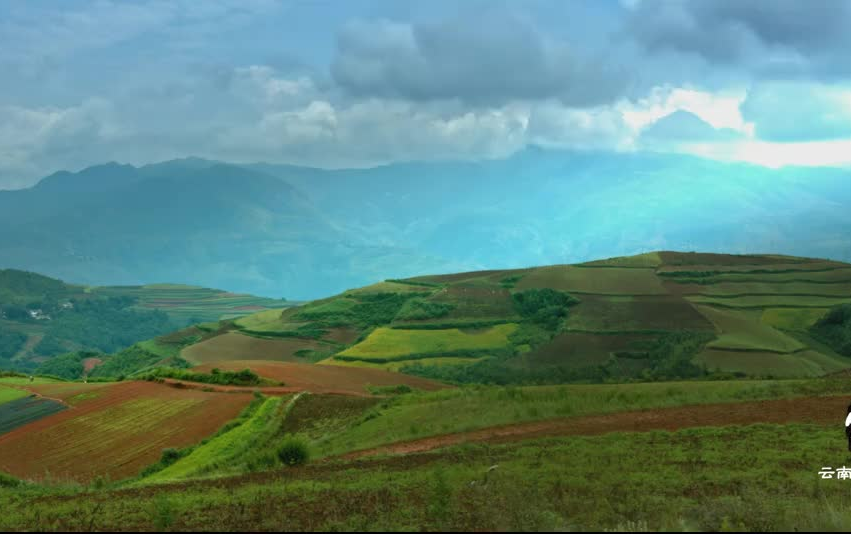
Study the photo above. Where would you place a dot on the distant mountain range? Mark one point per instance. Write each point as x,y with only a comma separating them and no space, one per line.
304,233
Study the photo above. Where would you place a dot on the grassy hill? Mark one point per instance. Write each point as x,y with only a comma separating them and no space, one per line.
41,317
662,315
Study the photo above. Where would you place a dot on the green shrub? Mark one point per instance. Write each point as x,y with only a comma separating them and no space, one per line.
8,481
419,308
834,329
293,452
170,455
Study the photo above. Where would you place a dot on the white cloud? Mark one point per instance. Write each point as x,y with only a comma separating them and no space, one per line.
720,110
40,140
799,111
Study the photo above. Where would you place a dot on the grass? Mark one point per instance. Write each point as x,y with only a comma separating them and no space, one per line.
223,453
25,381
8,394
754,478
388,344
796,319
425,414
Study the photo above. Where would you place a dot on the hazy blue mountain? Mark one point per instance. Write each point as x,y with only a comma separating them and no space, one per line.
280,230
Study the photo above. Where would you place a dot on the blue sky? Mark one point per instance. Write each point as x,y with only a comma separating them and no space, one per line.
359,83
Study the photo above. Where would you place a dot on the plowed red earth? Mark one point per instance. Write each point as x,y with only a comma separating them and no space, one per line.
114,431
817,410
324,378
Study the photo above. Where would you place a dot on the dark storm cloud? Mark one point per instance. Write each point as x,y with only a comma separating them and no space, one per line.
496,57
742,31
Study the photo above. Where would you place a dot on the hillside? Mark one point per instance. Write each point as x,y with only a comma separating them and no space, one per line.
660,315
304,233
41,317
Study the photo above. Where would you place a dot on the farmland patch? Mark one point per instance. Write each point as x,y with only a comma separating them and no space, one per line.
324,378
738,331
388,344
806,363
19,412
634,314
599,280
797,319
771,301
115,433
237,346
582,349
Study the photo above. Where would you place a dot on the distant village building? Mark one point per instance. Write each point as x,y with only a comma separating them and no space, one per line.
39,315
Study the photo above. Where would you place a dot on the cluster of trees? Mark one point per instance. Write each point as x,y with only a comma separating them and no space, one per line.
835,329
420,308
106,325
246,377
68,366
370,309
545,307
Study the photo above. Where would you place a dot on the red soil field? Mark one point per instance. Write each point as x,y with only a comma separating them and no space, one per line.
113,430
324,378
815,410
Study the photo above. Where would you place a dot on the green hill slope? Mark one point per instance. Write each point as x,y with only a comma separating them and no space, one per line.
41,317
660,315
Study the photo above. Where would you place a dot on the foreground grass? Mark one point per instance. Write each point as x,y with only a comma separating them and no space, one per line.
760,478
229,452
457,410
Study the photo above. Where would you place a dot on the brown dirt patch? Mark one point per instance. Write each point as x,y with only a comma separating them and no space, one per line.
325,378
236,346
90,363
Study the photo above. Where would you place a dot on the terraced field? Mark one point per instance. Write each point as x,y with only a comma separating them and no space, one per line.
184,302
324,378
17,413
626,313
598,281
114,430
389,344
627,317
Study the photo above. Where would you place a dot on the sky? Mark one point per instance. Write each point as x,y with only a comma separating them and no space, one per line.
355,83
